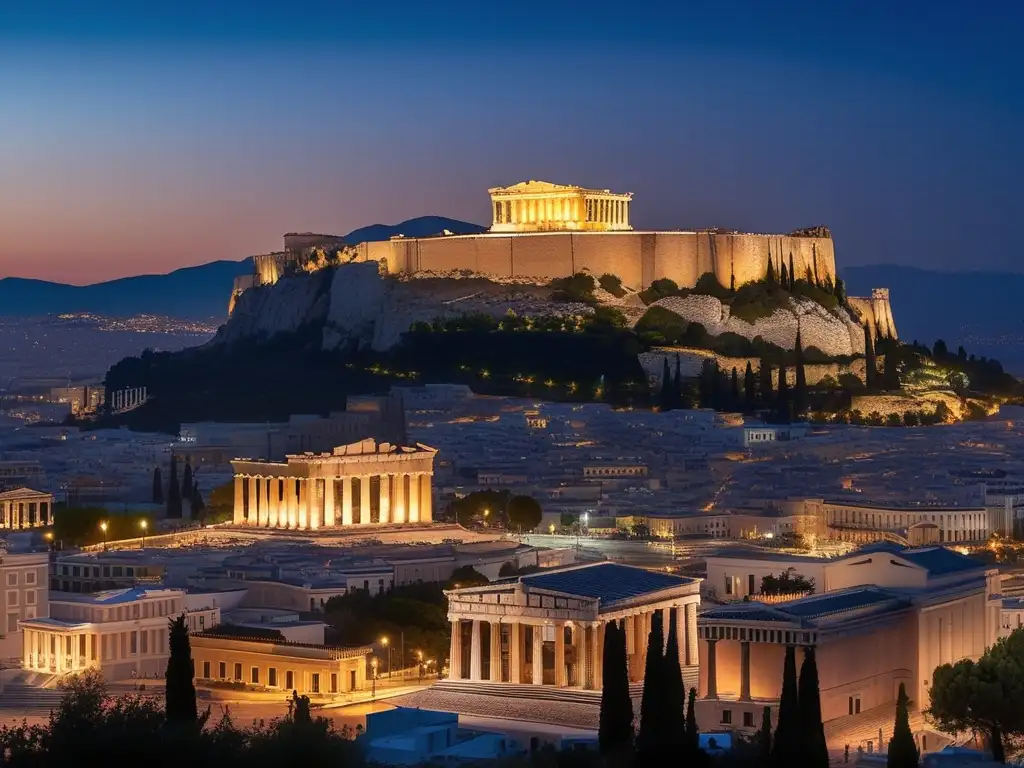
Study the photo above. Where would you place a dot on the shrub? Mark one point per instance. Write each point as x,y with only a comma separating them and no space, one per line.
696,336
605,319
827,382
578,287
754,301
708,285
850,381
612,284
733,345
814,355
661,326
767,351
815,294
659,289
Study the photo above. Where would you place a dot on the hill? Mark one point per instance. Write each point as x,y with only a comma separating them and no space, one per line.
422,226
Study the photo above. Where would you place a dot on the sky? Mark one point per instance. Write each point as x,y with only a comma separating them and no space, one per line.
139,137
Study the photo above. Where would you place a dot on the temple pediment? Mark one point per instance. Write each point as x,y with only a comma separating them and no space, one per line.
534,187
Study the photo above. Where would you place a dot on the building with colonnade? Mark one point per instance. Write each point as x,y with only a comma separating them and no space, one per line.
540,206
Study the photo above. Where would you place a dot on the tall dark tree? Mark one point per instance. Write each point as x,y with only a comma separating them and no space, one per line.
675,692
615,734
792,272
812,729
678,401
890,367
787,747
800,386
186,481
734,392
174,491
840,292
181,707
784,276
649,740
783,400
692,734
902,749
939,349
764,738
665,395
158,487
765,388
770,274
749,390
708,383
814,256
198,505
870,371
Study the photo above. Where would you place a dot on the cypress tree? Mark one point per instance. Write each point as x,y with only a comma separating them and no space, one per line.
814,256
734,392
765,387
198,506
180,707
186,481
770,275
784,277
692,735
665,396
902,749
749,390
870,372
840,291
677,387
890,371
158,487
174,491
675,694
615,734
786,748
783,404
652,705
764,738
792,272
800,390
812,729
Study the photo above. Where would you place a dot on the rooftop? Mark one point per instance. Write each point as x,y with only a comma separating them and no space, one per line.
938,561
608,582
806,609
114,596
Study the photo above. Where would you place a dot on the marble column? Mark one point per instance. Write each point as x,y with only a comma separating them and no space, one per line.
630,625
346,501
666,617
538,655
364,499
515,653
414,497
745,670
691,635
261,502
291,493
680,620
455,654
329,521
495,676
251,514
427,500
239,517
313,499
398,508
596,647
560,676
273,507
385,499
475,659
303,504
712,670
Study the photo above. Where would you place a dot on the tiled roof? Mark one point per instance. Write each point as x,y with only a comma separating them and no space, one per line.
23,493
802,610
609,582
939,560
752,611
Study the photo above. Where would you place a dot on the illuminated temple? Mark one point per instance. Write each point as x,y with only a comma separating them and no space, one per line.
540,206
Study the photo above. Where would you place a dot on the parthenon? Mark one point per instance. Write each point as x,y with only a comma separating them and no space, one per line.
548,628
540,206
364,483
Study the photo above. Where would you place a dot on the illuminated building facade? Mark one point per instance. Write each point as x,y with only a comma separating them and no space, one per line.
540,206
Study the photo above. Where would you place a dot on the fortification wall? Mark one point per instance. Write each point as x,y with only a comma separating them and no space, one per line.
876,311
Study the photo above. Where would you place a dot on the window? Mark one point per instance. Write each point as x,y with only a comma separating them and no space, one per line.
728,585
117,570
135,642
238,672
726,717
255,676
289,680
202,623
30,577
272,677
206,670
334,680
751,585
222,670
12,598
748,719
12,622
30,597
854,705
314,682
12,579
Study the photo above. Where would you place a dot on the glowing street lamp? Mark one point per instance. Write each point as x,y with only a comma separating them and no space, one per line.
103,527
373,678
385,643
143,524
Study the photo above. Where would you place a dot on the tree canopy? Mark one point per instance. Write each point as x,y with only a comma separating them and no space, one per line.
524,513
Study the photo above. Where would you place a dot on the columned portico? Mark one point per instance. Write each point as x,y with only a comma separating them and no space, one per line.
540,206
530,617
374,484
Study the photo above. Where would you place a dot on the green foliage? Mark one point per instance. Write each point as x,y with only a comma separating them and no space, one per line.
818,295
893,420
181,691
850,382
786,583
756,300
480,505
902,748
674,739
467,576
578,288
220,507
661,327
659,289
732,345
524,513
612,284
708,285
80,526
604,320
651,740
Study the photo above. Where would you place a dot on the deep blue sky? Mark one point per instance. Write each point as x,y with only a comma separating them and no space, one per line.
141,136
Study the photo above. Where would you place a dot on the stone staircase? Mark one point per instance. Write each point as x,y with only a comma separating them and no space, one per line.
858,730
18,701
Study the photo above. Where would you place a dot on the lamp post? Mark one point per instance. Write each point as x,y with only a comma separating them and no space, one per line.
385,643
143,524
419,666
373,678
103,527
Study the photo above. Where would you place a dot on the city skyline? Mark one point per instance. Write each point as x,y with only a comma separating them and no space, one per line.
140,141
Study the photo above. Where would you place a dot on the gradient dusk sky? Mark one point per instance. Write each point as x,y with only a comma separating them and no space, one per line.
144,135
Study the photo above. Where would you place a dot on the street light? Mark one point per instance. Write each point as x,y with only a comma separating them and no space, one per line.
103,527
143,524
419,657
384,642
373,678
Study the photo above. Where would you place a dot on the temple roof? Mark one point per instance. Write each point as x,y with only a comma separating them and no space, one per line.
536,187
608,582
806,610
937,560
22,493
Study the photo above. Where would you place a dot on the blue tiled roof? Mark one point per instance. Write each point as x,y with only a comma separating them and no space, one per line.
752,611
939,560
834,602
609,582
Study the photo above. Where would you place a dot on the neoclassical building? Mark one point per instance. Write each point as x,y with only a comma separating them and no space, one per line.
540,206
25,508
365,483
548,628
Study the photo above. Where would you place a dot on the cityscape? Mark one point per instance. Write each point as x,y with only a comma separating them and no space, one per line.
698,442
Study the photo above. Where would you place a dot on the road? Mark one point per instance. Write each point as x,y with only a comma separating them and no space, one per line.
641,553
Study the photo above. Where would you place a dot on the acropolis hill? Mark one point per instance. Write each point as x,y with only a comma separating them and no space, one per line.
539,231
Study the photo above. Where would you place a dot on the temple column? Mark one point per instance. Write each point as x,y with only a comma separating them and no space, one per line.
346,501
455,654
313,502
666,618
252,514
597,646
303,516
239,517
680,619
538,655
329,521
515,655
475,660
414,497
745,670
691,635
427,503
385,499
630,635
364,499
495,676
398,508
274,495
261,502
712,670
560,676
292,494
